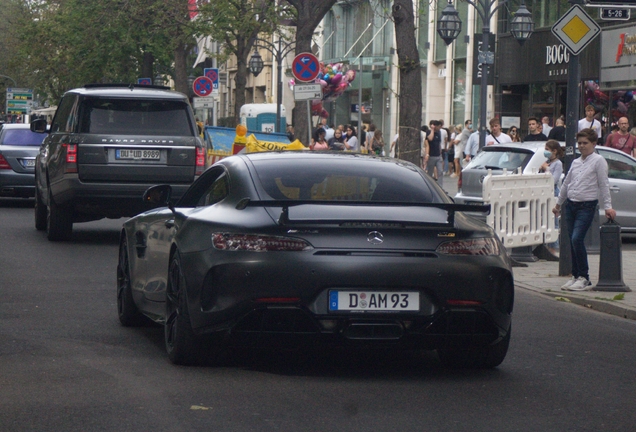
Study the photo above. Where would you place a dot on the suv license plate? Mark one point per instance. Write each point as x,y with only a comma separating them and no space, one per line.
380,301
138,154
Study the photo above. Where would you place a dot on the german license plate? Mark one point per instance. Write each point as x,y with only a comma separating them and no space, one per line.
374,301
28,163
141,154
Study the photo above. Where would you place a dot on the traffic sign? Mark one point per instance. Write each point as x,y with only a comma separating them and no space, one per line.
19,100
307,91
202,86
305,67
213,74
612,3
144,81
576,29
614,14
203,102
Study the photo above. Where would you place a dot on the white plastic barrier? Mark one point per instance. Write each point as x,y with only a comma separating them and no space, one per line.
521,208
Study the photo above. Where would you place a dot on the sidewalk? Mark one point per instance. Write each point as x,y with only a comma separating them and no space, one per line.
543,277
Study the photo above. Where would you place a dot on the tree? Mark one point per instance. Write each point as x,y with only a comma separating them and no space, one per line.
409,145
309,13
237,24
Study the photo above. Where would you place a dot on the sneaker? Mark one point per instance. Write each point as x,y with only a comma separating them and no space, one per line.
453,175
568,284
581,284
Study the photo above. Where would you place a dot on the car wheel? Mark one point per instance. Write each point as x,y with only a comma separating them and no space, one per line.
129,315
40,211
183,346
487,357
59,221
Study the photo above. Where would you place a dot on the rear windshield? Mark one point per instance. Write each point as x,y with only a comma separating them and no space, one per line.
135,117
341,180
501,158
21,137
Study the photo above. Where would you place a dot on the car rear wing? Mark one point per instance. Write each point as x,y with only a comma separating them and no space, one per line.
370,206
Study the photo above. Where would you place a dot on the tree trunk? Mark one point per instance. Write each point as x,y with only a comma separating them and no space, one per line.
181,69
146,67
242,51
409,146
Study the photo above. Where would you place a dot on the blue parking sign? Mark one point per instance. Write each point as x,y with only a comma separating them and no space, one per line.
213,74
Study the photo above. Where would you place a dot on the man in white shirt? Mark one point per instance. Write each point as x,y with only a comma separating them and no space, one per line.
472,146
589,122
545,121
496,135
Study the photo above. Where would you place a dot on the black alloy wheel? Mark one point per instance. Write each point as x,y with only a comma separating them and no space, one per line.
182,345
129,315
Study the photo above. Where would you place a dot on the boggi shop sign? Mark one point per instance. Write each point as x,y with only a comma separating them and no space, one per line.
556,54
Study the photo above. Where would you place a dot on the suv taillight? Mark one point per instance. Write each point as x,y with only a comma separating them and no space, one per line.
3,163
200,161
71,158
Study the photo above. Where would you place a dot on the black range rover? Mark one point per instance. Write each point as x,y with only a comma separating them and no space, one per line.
106,145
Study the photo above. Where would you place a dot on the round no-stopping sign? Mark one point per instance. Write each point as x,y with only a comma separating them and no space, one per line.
305,67
202,86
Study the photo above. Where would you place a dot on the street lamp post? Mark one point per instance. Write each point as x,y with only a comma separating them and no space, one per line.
449,26
279,51
14,83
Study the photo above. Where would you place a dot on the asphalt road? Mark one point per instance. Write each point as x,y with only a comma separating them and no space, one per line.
67,365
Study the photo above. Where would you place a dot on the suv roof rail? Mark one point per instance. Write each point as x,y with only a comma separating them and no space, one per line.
124,85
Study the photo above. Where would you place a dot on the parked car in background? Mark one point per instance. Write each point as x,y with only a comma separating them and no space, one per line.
18,149
292,248
107,144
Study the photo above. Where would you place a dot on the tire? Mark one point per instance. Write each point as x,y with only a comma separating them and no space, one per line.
40,211
182,345
129,315
59,221
487,357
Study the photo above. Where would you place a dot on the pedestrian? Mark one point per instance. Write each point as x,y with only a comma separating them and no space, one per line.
545,122
558,131
369,138
337,141
319,142
534,129
453,143
621,139
376,144
433,152
351,140
460,148
589,121
496,136
290,133
513,133
444,136
553,152
585,184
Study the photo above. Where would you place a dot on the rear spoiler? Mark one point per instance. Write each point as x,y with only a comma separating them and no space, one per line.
286,204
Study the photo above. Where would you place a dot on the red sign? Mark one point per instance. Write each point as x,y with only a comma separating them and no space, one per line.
202,86
305,67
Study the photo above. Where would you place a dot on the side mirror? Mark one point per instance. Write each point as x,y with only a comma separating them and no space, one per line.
39,126
158,195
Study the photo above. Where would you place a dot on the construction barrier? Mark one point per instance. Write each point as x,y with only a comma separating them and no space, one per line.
521,208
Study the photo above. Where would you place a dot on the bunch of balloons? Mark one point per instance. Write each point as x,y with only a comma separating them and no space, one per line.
620,104
334,80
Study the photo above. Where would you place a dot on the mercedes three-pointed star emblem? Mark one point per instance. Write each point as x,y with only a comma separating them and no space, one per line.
375,237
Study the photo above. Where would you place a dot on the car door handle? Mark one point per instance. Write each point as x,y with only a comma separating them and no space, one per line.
615,188
170,223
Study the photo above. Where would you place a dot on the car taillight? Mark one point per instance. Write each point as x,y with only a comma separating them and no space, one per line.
200,161
258,243
71,158
3,163
477,246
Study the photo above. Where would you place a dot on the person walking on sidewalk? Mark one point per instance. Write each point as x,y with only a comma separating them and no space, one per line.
585,184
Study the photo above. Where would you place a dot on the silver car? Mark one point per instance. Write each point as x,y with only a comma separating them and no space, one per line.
529,157
18,149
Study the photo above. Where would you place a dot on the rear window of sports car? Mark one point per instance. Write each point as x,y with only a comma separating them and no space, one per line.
341,180
135,117
501,158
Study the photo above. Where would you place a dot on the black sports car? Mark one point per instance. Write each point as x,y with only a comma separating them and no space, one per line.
317,247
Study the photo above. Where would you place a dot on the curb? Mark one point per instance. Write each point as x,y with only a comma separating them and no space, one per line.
609,307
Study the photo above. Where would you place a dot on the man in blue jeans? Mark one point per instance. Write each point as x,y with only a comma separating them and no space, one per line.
584,186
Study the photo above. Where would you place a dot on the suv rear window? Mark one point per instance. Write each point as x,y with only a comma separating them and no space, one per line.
501,158
21,137
135,117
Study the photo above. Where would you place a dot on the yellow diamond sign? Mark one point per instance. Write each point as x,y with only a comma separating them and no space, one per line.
576,29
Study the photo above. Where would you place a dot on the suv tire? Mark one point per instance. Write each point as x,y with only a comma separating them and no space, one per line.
59,221
40,211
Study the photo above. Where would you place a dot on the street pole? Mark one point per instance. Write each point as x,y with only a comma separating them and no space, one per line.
279,88
483,60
